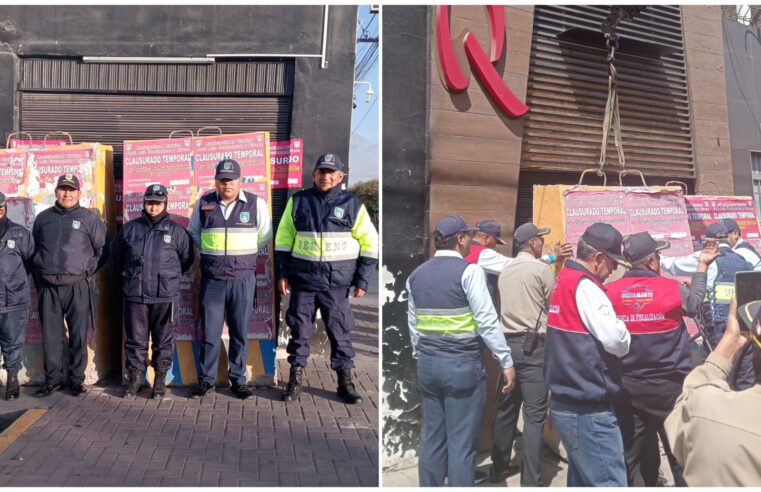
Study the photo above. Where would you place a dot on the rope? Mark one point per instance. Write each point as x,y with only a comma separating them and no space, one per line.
612,118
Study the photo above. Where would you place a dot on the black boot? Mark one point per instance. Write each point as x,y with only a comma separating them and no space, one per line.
134,383
346,390
159,383
11,385
293,390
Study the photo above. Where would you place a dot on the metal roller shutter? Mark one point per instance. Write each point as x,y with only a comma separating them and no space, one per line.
567,90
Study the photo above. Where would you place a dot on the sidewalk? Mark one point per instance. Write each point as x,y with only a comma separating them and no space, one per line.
100,439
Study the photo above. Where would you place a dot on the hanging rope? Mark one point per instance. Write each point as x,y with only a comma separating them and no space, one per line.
612,119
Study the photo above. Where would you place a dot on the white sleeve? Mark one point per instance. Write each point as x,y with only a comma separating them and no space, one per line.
599,317
686,265
263,223
492,261
412,322
474,284
194,228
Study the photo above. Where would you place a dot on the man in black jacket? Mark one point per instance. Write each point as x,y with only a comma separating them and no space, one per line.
325,244
16,249
69,249
151,253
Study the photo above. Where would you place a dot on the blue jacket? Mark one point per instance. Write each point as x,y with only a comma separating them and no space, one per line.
151,259
16,251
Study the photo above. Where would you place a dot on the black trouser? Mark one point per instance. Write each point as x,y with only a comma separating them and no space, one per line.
649,403
72,303
530,392
156,321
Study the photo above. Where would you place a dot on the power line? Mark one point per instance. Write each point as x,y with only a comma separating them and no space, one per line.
365,116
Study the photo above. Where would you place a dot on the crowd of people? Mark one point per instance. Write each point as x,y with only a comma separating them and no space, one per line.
325,245
611,364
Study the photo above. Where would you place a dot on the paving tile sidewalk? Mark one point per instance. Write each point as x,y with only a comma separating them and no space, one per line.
102,440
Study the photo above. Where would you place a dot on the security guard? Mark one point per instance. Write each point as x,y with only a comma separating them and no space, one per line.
229,226
451,317
151,253
69,248
659,358
16,250
325,244
739,245
719,293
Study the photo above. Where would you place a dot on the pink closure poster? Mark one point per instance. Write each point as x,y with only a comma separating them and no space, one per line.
703,211
287,160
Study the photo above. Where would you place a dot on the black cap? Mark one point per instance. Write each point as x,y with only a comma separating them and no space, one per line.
227,169
717,231
451,225
2,200
605,238
749,315
155,193
730,224
641,244
68,180
329,161
492,228
526,231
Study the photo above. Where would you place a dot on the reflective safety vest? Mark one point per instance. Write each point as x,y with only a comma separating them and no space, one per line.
576,367
444,318
228,246
326,241
651,308
719,295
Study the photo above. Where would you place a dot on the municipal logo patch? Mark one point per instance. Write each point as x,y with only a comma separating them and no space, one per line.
167,238
76,224
11,244
156,187
245,217
227,166
339,212
329,158
69,177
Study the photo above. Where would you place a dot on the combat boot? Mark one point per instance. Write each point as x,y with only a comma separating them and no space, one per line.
346,390
293,390
134,383
11,385
159,383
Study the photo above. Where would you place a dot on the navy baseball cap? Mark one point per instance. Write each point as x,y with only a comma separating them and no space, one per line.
329,161
492,228
155,193
730,224
526,231
641,244
227,169
717,231
2,200
451,225
68,180
604,238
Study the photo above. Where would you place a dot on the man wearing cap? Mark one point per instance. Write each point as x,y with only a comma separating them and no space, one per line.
151,253
719,293
525,286
450,318
659,358
70,246
740,246
582,361
715,432
229,226
325,244
16,250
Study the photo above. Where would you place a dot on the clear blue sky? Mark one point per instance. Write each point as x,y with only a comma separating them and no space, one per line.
363,151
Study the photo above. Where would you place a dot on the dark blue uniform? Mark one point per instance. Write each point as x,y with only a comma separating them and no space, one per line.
151,258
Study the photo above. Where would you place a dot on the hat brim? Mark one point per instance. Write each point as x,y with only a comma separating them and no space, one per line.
327,166
662,244
226,176
500,240
153,198
543,231
749,315
72,187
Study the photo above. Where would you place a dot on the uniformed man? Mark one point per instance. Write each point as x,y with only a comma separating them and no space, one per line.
16,250
229,226
151,253
582,361
325,244
69,248
739,245
659,358
450,318
720,290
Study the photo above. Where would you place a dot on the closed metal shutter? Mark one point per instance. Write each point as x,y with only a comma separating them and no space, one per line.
108,103
568,87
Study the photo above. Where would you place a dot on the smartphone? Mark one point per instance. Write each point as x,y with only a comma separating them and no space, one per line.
747,287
